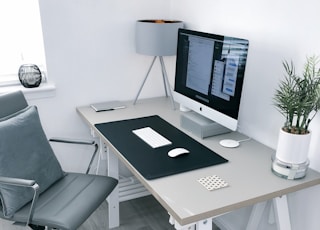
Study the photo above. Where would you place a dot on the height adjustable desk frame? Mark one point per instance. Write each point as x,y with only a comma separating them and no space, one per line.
248,173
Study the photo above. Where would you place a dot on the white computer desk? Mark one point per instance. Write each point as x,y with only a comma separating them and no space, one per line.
188,203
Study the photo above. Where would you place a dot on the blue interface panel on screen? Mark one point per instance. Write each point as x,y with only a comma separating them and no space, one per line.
209,75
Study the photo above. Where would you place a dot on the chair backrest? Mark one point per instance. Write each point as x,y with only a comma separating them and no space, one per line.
11,103
25,152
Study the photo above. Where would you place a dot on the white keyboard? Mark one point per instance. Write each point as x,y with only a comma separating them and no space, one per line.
151,137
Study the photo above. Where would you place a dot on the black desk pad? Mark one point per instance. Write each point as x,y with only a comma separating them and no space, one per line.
155,163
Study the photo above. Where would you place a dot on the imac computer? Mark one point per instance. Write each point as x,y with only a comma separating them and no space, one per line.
208,80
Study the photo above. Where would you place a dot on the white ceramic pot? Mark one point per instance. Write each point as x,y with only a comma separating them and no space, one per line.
293,148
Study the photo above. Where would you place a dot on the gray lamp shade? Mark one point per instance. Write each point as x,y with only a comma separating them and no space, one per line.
157,37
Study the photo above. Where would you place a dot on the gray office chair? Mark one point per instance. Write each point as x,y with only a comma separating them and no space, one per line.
34,190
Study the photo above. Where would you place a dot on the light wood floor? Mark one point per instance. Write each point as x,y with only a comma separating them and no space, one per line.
139,214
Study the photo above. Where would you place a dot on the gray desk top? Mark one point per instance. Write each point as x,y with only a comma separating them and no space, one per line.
248,171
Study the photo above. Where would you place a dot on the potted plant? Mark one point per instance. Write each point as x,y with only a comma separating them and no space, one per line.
298,100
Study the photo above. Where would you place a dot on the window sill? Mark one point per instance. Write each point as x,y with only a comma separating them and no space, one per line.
43,91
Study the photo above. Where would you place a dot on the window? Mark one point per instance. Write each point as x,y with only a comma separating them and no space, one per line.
21,39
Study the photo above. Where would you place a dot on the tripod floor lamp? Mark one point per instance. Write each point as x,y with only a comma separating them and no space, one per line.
157,38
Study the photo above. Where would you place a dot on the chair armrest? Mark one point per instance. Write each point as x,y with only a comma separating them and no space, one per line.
24,183
80,142
16,181
72,141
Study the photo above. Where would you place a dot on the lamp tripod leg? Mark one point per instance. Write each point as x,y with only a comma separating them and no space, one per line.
164,74
166,81
144,81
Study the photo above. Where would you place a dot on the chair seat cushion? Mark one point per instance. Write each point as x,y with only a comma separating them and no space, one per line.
25,153
70,201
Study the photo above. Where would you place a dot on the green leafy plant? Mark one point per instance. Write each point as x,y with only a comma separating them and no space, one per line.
298,97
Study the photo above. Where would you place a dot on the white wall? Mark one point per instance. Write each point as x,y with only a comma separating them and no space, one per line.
91,57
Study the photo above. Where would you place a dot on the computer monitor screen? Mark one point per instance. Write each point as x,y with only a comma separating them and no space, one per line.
209,75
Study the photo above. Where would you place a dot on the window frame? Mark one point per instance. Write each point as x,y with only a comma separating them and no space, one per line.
27,49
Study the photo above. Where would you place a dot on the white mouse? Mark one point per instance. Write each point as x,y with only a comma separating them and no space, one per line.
177,152
228,143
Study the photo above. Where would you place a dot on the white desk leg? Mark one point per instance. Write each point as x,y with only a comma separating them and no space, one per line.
177,226
256,216
281,212
200,225
204,224
113,199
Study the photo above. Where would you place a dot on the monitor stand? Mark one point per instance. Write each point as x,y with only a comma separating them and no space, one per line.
200,125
